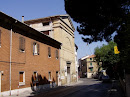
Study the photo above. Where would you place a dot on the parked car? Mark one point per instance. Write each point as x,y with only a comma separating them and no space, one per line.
105,78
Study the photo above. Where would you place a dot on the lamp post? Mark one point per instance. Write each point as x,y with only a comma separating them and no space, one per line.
10,63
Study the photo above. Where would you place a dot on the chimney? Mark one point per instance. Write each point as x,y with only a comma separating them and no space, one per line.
22,19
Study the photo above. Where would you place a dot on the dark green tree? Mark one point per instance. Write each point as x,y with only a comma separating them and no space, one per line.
98,19
105,54
123,41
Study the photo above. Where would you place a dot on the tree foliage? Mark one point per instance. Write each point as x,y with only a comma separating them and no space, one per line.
105,54
98,19
123,41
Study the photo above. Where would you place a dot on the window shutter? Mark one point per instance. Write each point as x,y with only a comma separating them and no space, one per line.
57,54
33,45
22,44
49,52
21,77
0,37
38,49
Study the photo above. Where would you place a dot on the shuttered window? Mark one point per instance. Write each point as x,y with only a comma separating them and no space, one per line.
57,54
21,76
21,44
36,48
0,38
49,52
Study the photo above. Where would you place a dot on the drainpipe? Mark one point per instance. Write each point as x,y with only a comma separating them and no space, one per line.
10,56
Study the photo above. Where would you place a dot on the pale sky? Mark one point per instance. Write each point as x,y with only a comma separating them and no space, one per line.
32,9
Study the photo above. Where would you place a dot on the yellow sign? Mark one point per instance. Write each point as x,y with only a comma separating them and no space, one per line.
116,50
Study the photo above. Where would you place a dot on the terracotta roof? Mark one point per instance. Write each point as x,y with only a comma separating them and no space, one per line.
89,56
92,56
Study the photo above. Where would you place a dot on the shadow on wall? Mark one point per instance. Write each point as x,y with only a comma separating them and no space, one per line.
38,82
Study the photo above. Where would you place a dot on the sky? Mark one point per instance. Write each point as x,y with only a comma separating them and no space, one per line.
32,9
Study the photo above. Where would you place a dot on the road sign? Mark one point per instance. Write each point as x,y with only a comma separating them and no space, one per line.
116,50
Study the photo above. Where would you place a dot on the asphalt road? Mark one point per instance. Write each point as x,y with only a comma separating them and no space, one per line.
86,88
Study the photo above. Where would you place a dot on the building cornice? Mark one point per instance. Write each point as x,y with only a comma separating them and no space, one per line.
61,25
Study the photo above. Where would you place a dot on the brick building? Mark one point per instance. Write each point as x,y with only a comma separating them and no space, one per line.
60,28
27,57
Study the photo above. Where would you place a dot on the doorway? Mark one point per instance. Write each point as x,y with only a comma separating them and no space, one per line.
56,78
68,75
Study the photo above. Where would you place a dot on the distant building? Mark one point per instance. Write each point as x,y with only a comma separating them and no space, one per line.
61,29
28,59
88,67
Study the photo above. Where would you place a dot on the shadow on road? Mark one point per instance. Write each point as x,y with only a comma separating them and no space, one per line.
95,89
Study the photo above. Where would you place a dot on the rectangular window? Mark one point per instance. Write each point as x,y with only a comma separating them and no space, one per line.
45,24
0,38
91,64
35,48
49,76
45,32
49,52
21,44
22,78
57,54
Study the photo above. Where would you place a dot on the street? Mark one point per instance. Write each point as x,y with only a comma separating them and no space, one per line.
84,88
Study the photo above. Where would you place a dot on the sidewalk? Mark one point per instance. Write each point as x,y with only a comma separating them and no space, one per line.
115,90
30,93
